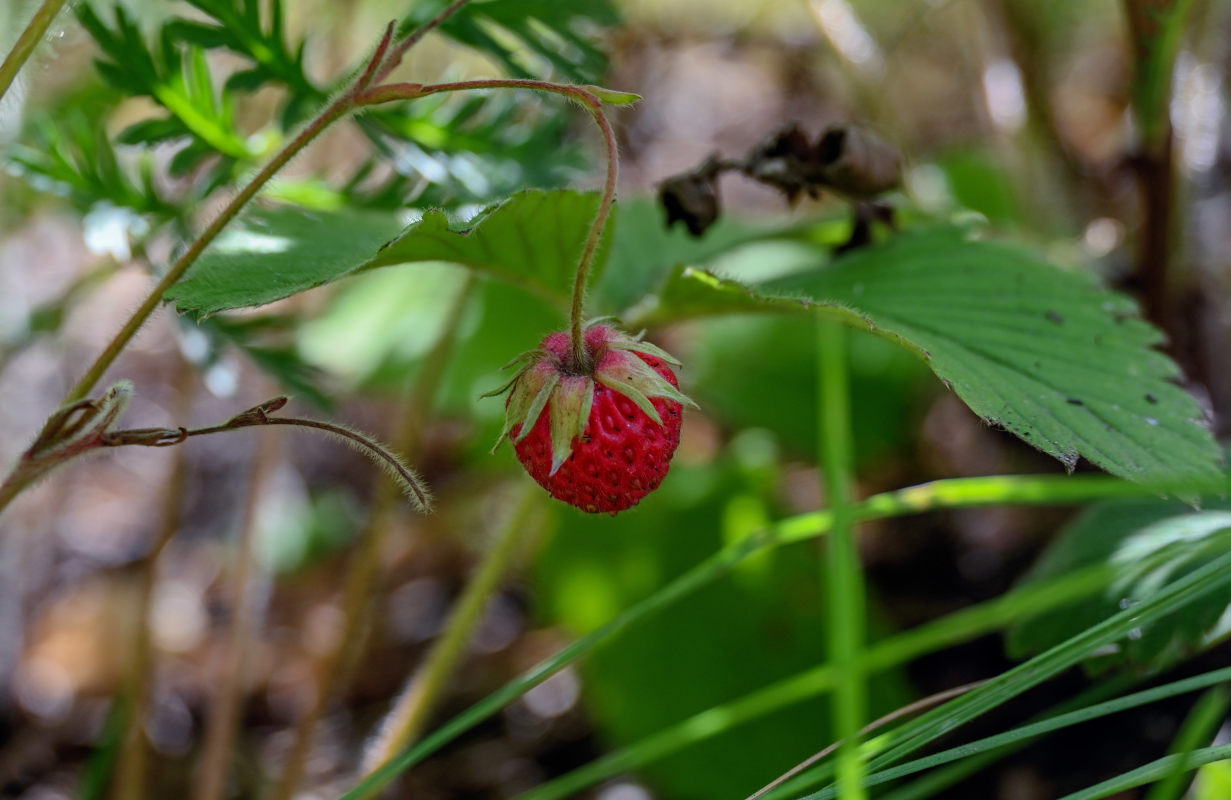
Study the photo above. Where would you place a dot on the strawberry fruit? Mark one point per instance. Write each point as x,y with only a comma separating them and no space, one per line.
597,435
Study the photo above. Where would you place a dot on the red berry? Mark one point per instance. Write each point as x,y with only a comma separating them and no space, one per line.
601,437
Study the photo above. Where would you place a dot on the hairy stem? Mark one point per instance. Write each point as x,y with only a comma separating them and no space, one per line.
580,357
423,690
394,58
224,711
411,91
361,576
29,39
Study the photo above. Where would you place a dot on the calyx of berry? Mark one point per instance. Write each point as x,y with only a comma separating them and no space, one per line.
548,379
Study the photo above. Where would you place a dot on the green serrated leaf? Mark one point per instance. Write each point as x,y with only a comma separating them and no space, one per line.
277,252
1045,353
533,239
1147,543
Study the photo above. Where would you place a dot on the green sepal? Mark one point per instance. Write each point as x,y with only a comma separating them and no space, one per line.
631,370
570,410
632,393
527,386
523,361
536,407
525,358
638,346
503,388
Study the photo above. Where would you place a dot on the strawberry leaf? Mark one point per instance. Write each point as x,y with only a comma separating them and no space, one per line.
533,239
277,252
1045,353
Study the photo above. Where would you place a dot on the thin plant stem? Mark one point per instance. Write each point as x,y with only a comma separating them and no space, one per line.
390,62
410,91
361,583
25,44
408,478
422,692
225,706
130,780
1156,28
580,357
843,574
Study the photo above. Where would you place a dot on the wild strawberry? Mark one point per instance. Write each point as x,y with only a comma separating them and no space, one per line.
598,436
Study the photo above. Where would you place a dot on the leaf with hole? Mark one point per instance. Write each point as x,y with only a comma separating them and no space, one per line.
1045,353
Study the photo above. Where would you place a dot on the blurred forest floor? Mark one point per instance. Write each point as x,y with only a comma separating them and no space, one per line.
1017,110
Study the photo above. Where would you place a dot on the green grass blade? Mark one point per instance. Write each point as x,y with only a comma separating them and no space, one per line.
919,732
943,494
843,574
1032,731
958,627
1153,771
931,784
1199,728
